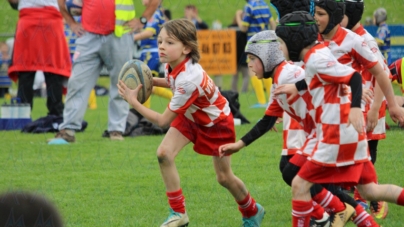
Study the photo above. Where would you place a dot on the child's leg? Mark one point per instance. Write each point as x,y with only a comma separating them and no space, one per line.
259,90
267,85
246,78
171,145
361,218
302,205
236,187
92,100
372,144
227,179
385,192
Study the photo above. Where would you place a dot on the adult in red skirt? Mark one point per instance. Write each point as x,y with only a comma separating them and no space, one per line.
40,44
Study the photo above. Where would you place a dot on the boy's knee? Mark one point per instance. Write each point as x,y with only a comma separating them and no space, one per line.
300,187
162,156
223,180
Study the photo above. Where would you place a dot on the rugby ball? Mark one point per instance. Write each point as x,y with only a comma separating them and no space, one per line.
136,72
74,7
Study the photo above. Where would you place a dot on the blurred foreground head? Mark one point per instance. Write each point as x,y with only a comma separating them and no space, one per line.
28,210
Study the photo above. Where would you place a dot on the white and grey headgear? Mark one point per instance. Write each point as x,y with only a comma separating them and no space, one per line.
266,47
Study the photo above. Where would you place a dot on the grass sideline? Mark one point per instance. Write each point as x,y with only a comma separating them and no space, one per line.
97,182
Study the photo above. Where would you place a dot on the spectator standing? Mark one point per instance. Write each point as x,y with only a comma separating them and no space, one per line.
40,45
383,33
104,38
5,60
71,41
241,41
256,17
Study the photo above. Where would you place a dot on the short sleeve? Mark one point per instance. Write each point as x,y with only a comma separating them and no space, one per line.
184,95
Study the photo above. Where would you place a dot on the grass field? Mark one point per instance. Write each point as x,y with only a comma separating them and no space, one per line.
97,182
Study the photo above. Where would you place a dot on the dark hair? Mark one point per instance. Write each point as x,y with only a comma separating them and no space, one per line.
184,31
28,210
167,13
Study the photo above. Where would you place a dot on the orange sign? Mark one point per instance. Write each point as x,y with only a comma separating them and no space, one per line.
218,51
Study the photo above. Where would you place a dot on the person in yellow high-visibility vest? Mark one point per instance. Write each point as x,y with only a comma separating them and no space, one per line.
104,38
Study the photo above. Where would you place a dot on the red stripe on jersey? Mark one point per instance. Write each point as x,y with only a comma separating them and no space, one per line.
341,79
345,59
360,30
189,102
339,36
315,83
363,61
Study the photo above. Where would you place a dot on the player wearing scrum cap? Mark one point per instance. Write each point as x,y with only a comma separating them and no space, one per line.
340,155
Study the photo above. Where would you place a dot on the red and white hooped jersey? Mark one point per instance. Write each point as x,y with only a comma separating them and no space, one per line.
297,121
337,143
195,94
379,132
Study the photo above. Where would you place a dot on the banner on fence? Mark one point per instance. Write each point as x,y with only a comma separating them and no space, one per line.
218,51
396,40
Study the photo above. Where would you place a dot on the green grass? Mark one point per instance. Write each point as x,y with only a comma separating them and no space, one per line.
97,182
209,10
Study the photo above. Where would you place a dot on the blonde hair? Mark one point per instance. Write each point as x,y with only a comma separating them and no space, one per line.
184,31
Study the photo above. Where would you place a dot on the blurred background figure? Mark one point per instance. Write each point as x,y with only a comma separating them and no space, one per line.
256,17
167,14
368,21
191,13
149,50
104,39
45,50
71,41
383,33
28,210
5,60
242,68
